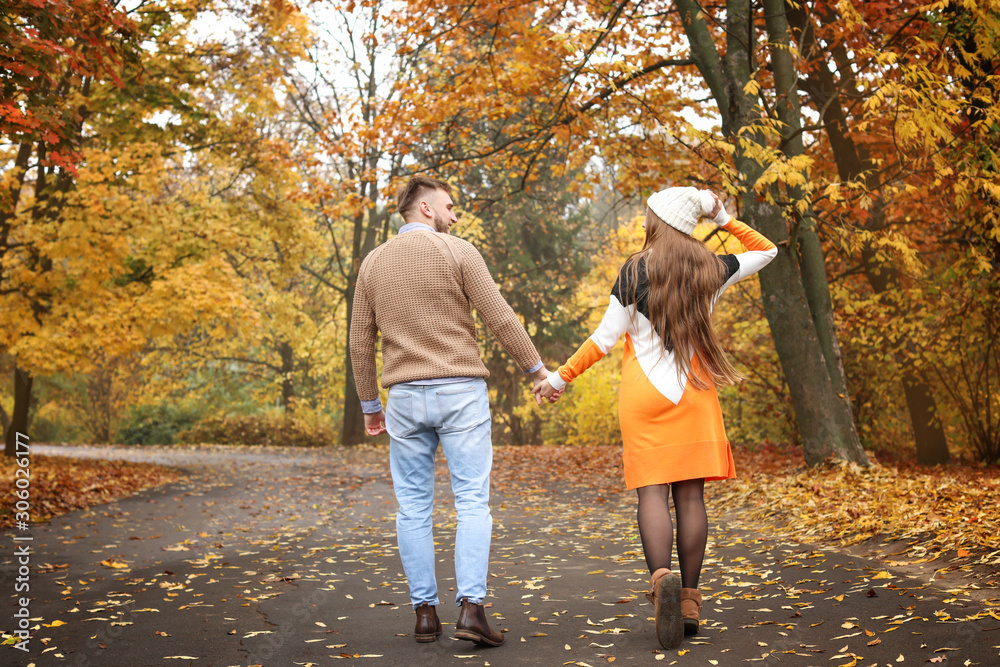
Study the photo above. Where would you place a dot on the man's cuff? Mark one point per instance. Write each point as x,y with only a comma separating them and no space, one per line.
556,381
534,369
372,406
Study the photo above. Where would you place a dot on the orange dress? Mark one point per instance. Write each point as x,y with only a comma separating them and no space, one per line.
671,430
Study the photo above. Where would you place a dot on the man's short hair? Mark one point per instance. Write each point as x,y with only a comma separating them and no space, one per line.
410,193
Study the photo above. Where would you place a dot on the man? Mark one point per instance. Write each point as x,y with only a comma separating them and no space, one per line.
417,290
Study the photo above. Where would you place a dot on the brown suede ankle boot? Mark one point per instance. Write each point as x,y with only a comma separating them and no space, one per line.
472,625
428,626
665,594
690,609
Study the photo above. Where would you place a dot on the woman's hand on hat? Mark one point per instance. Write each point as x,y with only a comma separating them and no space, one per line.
718,213
717,205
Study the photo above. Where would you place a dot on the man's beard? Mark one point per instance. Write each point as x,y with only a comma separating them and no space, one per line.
440,224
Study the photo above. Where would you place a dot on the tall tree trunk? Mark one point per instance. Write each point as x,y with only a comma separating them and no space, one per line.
19,415
365,238
928,432
853,162
4,421
352,430
788,109
370,226
287,379
823,417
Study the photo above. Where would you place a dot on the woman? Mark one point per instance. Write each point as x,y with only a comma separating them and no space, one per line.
671,420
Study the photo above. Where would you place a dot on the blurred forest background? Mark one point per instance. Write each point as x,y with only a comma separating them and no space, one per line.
189,186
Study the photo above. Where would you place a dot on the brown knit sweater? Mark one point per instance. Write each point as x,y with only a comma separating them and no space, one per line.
408,291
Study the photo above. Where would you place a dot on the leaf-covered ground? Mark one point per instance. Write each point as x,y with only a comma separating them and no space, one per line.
61,484
946,516
268,556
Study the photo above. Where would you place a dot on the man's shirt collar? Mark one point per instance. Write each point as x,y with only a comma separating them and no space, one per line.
414,226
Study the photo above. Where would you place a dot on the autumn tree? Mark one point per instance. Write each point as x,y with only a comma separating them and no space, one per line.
583,93
830,76
239,158
348,97
764,127
533,243
55,56
126,245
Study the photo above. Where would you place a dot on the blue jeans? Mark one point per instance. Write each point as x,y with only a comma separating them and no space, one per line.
417,418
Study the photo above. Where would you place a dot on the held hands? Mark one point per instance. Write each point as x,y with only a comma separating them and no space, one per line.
375,423
545,390
540,385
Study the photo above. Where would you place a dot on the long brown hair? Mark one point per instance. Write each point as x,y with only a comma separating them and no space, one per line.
683,277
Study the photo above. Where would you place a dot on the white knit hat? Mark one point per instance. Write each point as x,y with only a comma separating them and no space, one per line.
681,208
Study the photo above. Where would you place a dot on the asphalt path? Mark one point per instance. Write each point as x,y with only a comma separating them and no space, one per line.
288,557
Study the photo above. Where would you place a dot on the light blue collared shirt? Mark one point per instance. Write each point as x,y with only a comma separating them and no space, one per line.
375,405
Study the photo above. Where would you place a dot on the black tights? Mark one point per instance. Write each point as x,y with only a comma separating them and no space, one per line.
657,531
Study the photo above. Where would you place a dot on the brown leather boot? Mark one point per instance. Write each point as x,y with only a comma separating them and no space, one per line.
472,625
428,626
690,609
665,594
